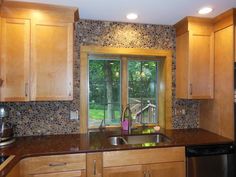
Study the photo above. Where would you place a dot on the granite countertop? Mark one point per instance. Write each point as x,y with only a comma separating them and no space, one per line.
97,141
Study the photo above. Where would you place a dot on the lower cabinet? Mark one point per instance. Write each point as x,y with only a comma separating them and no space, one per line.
170,169
159,162
63,174
174,169
154,162
71,165
124,171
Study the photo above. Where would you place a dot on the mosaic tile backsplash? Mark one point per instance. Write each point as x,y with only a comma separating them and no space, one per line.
44,118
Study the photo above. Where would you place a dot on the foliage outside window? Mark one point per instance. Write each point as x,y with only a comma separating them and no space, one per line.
105,89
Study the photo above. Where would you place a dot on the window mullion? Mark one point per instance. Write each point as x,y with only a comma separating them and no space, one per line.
124,81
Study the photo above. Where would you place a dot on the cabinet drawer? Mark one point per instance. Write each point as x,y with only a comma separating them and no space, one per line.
80,173
56,163
144,156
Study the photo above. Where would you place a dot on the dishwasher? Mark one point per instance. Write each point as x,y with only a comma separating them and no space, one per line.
210,160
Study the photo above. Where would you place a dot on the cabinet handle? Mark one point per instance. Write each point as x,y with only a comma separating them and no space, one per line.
94,168
26,89
149,174
57,164
191,89
70,88
144,174
1,82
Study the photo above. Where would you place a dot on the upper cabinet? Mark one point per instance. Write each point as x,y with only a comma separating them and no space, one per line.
36,52
15,59
194,58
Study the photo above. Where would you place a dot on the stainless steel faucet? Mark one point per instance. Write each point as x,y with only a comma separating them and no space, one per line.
128,116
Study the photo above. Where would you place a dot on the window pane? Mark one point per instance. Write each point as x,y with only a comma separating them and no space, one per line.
104,91
143,77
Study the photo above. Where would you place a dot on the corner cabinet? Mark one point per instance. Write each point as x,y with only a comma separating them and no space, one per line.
194,58
36,52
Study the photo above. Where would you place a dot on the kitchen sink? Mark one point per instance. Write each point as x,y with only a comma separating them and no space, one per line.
138,139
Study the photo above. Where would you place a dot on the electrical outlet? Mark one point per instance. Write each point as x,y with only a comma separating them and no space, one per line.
74,115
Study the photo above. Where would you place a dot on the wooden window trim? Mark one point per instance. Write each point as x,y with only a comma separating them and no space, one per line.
165,90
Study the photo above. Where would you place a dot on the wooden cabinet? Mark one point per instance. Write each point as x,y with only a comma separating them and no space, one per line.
52,61
36,52
15,58
94,164
171,169
124,171
161,162
54,166
194,58
218,115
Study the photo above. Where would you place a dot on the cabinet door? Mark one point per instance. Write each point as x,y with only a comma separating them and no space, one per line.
63,174
173,169
182,62
15,55
124,171
52,61
201,66
94,164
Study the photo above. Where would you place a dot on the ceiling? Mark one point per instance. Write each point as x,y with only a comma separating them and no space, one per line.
149,11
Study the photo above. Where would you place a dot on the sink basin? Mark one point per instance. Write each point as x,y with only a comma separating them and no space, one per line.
138,139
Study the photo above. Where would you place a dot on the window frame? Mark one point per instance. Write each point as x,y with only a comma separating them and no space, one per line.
165,90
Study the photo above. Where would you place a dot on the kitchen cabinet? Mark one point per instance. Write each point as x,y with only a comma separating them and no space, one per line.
161,162
52,61
125,171
15,58
94,164
218,115
194,58
54,166
36,52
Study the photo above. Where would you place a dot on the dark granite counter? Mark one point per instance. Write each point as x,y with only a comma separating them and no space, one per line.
97,141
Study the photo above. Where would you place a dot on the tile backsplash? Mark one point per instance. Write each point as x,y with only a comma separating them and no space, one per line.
43,118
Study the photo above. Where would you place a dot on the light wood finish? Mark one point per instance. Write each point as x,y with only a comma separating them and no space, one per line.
52,61
36,11
182,63
80,173
51,164
194,59
94,164
144,156
224,20
124,171
218,115
174,169
15,56
166,88
36,52
201,66
124,82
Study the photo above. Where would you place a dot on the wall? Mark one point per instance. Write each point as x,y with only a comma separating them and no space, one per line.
42,118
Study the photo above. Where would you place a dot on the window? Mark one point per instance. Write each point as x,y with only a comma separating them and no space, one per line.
104,91
143,84
111,78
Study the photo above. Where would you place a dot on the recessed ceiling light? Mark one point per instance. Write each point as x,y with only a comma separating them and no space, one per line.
132,16
205,10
